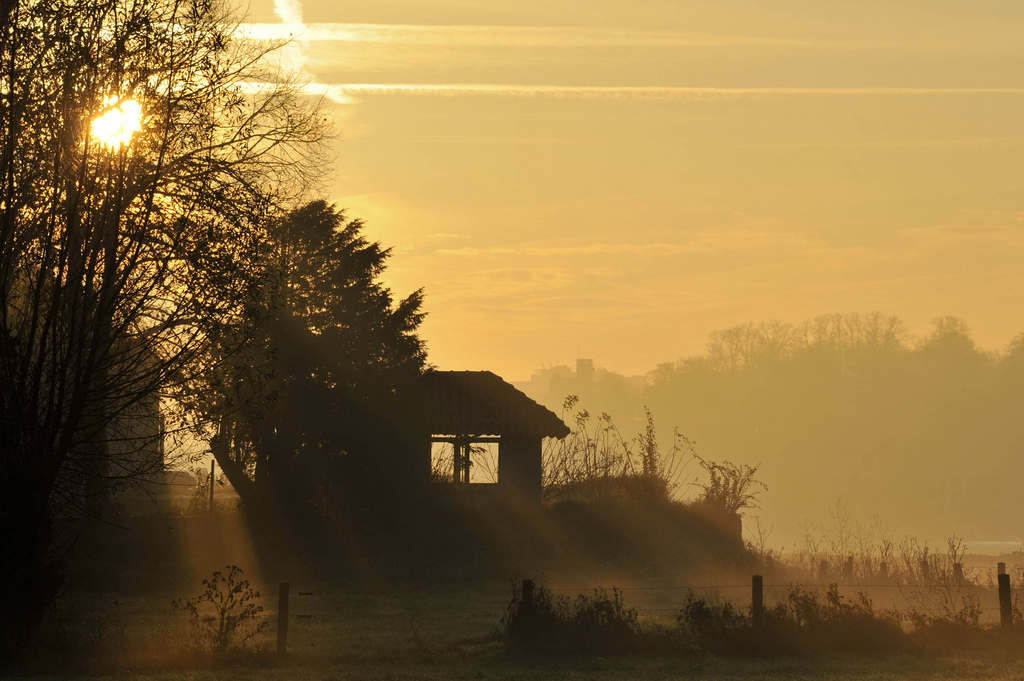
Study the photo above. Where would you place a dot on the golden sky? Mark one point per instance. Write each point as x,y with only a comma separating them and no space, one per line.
614,180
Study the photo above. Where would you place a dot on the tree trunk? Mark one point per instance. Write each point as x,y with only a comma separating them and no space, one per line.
220,447
30,575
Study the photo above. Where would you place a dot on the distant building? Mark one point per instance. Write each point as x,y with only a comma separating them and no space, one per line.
598,389
552,385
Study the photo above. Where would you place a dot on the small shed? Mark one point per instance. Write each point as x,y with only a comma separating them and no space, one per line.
470,411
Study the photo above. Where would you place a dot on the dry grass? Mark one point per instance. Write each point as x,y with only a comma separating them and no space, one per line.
596,462
928,585
449,633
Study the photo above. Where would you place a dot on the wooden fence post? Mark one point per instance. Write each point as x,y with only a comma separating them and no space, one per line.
848,570
883,571
757,601
823,569
527,611
213,466
958,573
1005,603
528,596
926,570
282,619
1001,568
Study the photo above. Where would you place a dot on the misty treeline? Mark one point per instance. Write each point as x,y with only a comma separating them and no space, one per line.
175,283
924,432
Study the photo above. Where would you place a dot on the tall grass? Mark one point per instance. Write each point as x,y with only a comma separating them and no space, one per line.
934,588
807,620
596,462
598,623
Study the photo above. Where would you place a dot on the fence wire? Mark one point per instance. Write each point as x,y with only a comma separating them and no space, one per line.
914,590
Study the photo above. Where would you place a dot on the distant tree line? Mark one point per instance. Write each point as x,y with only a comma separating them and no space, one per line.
925,431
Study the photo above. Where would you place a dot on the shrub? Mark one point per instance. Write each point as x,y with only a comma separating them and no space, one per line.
708,622
595,462
598,623
806,622
226,614
836,623
731,487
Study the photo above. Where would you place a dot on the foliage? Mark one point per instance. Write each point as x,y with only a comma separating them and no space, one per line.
806,621
826,621
846,339
731,487
227,613
848,551
855,406
118,262
940,598
596,462
598,623
624,499
199,501
709,622
312,408
835,622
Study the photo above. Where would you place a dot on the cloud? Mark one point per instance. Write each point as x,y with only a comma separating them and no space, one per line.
956,143
511,282
352,90
376,47
723,241
936,235
462,36
288,11
310,88
340,45
294,51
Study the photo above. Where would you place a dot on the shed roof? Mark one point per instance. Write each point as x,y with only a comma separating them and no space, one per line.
481,403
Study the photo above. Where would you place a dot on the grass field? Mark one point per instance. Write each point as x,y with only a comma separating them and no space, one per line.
449,633
479,664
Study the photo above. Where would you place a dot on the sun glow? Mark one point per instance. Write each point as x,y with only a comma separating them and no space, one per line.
115,127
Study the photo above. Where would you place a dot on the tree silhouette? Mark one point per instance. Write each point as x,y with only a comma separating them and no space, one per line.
119,257
312,407
923,431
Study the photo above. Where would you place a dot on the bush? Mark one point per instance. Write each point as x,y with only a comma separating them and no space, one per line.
595,463
834,623
600,623
806,622
226,614
712,624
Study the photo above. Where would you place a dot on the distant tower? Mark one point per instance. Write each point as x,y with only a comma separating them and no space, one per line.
585,377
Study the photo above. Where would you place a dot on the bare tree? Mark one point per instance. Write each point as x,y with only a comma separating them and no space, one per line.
142,145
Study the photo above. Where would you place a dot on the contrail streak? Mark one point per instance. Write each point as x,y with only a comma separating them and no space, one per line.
645,92
519,36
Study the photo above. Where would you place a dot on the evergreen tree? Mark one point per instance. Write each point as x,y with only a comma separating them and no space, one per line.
312,414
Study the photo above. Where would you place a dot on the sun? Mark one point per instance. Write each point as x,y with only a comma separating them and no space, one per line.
115,127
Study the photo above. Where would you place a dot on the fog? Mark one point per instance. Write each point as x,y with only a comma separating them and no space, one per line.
906,435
